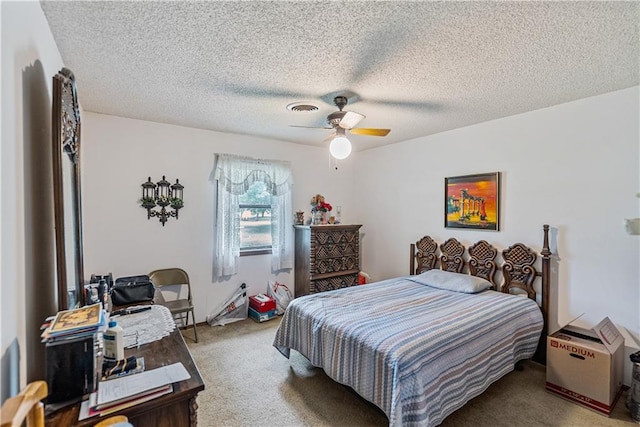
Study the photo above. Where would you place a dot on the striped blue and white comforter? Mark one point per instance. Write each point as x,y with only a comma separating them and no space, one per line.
417,352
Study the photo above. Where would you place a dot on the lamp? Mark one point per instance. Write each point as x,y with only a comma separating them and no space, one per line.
162,194
340,146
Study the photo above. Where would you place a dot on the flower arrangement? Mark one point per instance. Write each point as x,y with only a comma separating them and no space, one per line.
319,205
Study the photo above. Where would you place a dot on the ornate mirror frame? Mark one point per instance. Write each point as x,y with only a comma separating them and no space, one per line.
66,190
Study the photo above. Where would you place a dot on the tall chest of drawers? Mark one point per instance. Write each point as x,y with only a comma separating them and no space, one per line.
327,257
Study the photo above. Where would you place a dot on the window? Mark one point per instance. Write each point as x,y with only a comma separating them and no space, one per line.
255,220
253,212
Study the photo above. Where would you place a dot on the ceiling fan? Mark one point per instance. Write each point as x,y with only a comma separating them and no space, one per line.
342,121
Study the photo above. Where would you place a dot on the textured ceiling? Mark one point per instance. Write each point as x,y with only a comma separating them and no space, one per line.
417,68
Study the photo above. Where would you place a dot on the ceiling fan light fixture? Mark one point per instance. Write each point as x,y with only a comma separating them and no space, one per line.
340,147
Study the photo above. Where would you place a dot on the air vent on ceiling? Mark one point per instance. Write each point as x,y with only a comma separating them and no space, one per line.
302,107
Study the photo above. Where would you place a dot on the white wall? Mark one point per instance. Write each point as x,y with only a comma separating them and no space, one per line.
119,154
30,59
573,166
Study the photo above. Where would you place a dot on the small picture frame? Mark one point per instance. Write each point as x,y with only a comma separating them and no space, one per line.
472,201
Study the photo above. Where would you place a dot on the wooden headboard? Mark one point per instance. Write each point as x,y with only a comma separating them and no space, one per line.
517,267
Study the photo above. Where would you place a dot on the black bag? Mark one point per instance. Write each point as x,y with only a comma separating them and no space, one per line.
131,290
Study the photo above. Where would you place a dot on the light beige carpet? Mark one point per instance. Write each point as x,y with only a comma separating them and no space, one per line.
249,383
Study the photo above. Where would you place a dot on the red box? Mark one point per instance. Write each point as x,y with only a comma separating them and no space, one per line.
262,303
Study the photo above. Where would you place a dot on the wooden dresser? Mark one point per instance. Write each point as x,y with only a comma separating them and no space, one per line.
327,257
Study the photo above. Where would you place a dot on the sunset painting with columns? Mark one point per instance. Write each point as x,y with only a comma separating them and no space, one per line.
472,201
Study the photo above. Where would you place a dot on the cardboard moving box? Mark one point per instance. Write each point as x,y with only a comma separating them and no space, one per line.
586,366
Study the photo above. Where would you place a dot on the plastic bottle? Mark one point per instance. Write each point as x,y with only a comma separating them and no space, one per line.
103,294
113,341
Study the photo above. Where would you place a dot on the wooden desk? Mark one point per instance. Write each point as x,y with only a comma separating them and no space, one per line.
176,409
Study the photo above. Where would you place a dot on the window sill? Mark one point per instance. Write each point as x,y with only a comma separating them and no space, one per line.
250,252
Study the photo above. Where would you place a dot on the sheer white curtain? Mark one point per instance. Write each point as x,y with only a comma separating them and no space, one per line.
233,176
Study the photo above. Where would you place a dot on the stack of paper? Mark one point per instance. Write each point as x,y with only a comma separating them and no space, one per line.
124,392
110,408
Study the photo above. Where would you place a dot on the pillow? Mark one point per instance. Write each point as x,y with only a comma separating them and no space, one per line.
456,282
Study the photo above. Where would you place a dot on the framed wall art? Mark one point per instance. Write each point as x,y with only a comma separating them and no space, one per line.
472,201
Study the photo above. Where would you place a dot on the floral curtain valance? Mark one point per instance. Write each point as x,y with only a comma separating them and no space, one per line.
236,174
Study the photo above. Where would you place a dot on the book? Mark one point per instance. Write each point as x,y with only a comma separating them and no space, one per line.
88,409
72,336
79,320
131,400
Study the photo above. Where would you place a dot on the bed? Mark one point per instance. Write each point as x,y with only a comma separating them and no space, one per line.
420,346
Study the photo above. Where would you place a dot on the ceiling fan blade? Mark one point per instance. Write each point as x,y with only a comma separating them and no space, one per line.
310,127
350,119
370,131
329,138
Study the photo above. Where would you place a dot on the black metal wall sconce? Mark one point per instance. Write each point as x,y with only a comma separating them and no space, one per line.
162,194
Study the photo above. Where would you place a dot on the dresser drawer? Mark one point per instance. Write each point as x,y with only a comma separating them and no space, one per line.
335,237
335,249
333,283
332,265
